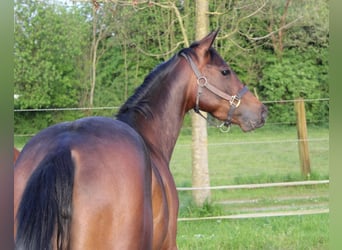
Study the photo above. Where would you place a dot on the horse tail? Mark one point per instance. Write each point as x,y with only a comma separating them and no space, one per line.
46,204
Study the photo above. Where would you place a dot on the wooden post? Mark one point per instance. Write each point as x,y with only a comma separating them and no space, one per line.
302,135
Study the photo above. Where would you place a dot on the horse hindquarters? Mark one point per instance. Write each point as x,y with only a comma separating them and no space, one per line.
112,200
46,202
92,190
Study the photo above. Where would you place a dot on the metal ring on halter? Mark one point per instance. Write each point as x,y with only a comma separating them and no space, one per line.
202,81
224,128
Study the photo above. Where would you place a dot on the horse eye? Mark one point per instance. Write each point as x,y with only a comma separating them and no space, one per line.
225,72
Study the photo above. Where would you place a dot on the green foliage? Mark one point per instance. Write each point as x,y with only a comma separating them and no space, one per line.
49,43
45,56
297,74
29,123
53,44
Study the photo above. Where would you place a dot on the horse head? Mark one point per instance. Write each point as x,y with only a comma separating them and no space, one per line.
217,90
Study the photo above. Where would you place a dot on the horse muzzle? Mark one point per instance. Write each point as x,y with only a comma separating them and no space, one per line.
250,124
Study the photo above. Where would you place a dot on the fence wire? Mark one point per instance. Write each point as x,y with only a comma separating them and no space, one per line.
117,107
227,177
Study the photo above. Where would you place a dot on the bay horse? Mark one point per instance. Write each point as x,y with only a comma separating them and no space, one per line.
104,183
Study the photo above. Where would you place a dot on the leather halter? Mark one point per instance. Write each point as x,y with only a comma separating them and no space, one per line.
202,82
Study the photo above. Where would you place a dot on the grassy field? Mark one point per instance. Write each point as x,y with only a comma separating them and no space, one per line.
288,232
283,233
266,155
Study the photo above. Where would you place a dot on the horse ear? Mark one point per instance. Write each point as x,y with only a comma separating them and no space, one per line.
208,41
205,43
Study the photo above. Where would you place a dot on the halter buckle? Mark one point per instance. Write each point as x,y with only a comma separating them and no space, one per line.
235,101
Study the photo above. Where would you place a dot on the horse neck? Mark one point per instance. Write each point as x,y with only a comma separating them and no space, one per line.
161,132
168,104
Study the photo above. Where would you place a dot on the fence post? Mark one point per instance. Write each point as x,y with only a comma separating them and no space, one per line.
303,146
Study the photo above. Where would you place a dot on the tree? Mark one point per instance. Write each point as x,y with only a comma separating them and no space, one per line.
53,57
200,170
102,35
46,54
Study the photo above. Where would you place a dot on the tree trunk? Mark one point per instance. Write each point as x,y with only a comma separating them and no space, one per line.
200,171
93,59
278,37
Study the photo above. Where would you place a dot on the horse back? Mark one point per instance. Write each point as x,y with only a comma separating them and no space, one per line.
111,196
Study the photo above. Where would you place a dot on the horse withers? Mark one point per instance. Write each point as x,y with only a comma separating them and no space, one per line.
103,183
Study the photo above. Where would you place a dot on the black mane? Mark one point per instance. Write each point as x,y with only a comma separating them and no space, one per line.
138,102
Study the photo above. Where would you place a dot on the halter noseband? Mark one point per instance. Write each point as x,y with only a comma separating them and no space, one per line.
202,82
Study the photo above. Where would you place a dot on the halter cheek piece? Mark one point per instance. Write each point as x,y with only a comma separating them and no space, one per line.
202,82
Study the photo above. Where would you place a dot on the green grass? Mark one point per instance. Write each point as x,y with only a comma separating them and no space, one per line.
293,232
290,232
238,201
269,154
